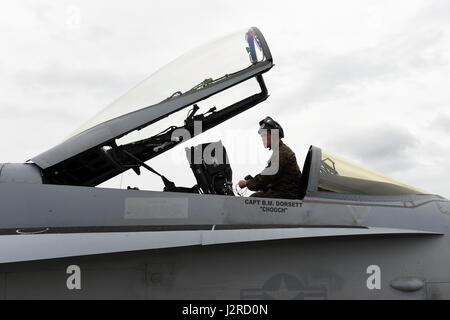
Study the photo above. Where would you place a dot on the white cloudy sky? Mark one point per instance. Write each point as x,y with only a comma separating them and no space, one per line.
368,80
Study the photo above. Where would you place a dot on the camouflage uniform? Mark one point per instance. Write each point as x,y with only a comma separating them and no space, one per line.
285,183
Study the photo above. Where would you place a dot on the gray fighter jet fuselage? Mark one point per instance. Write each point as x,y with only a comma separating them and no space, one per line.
351,234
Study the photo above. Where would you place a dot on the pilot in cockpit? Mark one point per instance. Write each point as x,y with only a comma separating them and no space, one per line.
281,178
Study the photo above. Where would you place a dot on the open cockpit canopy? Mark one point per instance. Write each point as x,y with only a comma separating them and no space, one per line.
195,70
91,155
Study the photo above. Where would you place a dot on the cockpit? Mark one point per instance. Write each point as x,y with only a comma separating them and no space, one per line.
192,94
150,119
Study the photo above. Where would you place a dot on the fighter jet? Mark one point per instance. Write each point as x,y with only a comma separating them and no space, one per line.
351,234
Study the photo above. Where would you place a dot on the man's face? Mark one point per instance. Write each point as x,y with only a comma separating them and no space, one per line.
265,136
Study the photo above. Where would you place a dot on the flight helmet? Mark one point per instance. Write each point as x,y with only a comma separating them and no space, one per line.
268,123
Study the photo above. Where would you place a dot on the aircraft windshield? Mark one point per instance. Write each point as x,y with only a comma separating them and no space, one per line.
342,176
192,71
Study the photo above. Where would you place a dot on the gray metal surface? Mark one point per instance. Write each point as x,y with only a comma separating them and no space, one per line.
312,249
51,246
320,268
313,181
117,127
59,206
20,173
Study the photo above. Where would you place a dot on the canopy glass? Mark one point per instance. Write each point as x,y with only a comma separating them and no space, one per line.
342,176
193,71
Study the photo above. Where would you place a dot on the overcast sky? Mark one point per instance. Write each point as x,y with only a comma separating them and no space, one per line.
367,80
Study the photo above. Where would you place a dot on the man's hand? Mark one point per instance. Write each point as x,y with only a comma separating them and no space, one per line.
242,184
